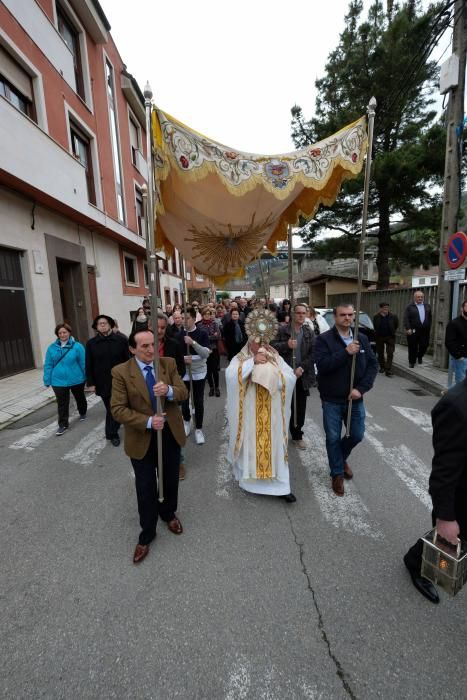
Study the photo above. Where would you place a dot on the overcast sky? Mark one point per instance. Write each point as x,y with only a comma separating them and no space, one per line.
231,70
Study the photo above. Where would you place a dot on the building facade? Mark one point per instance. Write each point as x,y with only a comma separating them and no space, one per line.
72,168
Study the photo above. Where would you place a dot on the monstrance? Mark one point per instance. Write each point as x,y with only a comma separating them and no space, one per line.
261,326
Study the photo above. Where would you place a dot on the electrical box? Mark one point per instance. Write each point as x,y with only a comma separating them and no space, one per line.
449,74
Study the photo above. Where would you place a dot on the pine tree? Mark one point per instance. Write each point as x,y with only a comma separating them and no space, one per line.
385,56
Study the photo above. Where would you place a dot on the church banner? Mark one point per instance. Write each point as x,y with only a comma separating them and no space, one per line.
219,207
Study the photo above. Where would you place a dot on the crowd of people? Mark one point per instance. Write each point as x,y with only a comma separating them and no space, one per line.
267,389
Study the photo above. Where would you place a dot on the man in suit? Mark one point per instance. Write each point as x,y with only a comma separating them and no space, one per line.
133,403
417,325
448,481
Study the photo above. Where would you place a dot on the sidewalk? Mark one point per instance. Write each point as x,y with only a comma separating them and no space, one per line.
431,378
21,395
24,393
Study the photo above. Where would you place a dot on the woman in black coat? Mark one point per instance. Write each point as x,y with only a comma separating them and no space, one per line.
234,335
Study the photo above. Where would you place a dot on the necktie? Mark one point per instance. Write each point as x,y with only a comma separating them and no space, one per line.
150,382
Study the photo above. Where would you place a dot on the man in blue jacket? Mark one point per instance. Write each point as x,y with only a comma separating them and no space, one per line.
334,350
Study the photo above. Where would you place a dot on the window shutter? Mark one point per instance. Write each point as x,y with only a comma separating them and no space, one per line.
15,75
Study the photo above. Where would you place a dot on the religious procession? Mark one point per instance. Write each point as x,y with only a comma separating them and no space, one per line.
253,493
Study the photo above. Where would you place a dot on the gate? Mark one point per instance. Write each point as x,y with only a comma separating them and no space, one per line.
15,339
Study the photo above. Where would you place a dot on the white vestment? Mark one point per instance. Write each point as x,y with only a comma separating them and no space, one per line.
259,436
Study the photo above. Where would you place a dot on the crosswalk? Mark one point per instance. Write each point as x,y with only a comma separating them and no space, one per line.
350,513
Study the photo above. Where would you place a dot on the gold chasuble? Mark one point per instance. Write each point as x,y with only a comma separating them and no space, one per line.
263,433
219,206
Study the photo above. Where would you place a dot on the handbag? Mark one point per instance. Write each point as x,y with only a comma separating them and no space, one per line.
221,347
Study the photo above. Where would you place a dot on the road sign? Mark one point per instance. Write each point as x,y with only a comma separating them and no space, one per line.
456,250
455,275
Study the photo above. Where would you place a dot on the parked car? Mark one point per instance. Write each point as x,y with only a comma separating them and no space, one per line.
365,324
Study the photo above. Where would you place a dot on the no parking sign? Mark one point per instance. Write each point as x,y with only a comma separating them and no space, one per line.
456,249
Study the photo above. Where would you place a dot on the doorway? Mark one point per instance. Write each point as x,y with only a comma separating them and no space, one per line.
15,338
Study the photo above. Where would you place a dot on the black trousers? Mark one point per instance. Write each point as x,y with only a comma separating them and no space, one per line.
212,364
145,469
301,393
418,344
413,558
198,399
111,425
63,402
387,342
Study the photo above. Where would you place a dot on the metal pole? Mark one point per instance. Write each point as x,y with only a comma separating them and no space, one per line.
154,287
454,311
185,287
292,315
366,189
260,260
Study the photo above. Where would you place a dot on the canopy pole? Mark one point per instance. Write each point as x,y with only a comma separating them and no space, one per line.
366,189
154,281
185,305
260,261
292,314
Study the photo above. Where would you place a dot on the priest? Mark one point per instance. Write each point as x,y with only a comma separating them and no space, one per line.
259,395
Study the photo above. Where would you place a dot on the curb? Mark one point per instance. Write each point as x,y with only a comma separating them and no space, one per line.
28,412
428,384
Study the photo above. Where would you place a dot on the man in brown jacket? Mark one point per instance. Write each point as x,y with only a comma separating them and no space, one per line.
133,403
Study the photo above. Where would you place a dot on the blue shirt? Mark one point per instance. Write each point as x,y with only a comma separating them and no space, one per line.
170,393
421,312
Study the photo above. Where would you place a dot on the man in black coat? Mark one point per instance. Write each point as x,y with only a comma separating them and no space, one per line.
103,352
448,480
417,325
334,351
456,342
386,324
303,345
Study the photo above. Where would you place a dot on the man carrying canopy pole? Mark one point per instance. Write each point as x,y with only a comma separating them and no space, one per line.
347,366
139,387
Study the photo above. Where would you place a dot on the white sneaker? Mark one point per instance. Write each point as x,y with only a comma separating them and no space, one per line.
187,425
199,437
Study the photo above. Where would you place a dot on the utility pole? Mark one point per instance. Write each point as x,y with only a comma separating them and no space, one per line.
452,181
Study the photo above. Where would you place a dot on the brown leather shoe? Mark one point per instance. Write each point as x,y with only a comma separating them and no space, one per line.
141,552
181,473
338,485
348,473
175,526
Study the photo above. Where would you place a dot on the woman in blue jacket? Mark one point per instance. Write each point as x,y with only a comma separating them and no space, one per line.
64,371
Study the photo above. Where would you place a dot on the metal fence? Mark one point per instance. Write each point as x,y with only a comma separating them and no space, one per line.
397,299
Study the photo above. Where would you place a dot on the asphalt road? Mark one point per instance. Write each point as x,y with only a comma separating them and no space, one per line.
257,599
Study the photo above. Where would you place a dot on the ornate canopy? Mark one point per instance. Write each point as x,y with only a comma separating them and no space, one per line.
220,206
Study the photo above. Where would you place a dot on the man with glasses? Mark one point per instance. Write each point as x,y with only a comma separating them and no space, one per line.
334,352
304,366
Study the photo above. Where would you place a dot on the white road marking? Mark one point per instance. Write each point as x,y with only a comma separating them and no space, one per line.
408,467
348,513
238,684
89,447
224,469
420,418
32,440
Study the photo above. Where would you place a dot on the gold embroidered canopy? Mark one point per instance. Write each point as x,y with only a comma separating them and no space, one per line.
220,206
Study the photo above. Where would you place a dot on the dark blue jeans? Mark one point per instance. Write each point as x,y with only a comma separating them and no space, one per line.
334,419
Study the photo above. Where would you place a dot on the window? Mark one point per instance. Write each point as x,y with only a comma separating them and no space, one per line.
134,142
163,264
81,149
15,84
109,75
146,274
131,270
139,211
167,296
433,280
174,262
176,298
71,38
421,280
